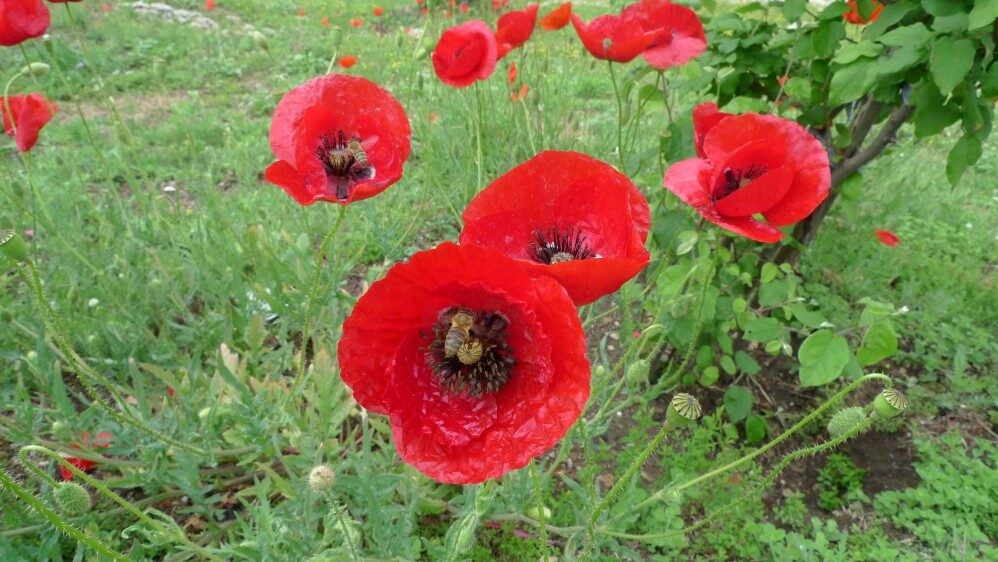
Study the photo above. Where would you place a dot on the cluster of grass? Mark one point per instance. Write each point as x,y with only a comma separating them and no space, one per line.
177,267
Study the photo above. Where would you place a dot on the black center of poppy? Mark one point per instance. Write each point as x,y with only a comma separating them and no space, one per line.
736,179
344,162
556,245
469,353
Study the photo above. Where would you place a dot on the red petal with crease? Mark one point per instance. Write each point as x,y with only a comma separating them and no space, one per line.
465,54
612,38
678,35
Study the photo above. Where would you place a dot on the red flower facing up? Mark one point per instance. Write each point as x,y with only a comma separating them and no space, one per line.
465,53
678,33
514,28
567,216
337,138
887,238
611,37
208,4
103,441
21,20
557,18
750,165
379,11
852,15
479,367
25,118
348,61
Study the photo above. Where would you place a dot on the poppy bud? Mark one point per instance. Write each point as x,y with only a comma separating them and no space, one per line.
637,372
890,403
260,39
421,53
36,69
534,513
13,246
72,499
845,420
683,409
673,497
321,479
336,35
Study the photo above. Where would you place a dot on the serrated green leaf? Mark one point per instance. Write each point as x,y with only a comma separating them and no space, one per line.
964,154
984,13
738,402
822,356
825,38
879,343
950,61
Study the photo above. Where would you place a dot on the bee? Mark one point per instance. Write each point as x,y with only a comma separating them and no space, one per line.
459,332
360,168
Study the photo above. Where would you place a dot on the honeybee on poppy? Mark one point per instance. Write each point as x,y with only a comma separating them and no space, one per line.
360,168
459,333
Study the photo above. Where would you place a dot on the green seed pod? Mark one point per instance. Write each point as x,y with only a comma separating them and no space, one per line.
321,479
421,53
845,420
13,246
72,499
36,69
260,39
336,35
890,403
683,409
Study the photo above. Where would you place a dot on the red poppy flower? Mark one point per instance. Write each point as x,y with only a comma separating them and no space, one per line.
557,18
379,11
519,96
499,5
465,53
348,61
514,28
208,4
613,38
705,116
754,164
103,441
106,7
338,138
301,12
782,80
852,14
21,20
325,21
479,367
567,216
424,11
511,74
678,33
356,22
25,118
887,238
464,8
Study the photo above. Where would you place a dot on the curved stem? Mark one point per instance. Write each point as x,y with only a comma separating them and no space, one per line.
6,103
541,516
310,306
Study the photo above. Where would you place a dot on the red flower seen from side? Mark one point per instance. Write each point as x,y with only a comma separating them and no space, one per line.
566,216
25,117
347,61
678,35
557,18
465,53
887,238
479,367
613,37
338,138
21,20
103,441
705,116
852,14
752,165
513,29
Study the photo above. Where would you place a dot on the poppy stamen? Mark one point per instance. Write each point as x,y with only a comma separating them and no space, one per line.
344,162
737,179
557,246
469,353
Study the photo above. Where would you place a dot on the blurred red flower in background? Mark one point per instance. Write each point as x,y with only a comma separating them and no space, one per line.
378,11
347,61
499,5
338,138
557,18
356,22
887,238
752,164
520,95
479,367
25,118
208,4
678,35
852,14
465,53
567,216
513,29
511,74
103,441
21,20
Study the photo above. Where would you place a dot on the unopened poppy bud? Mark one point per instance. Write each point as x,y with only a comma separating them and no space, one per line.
534,513
683,409
466,534
13,246
421,53
890,403
58,427
845,420
336,35
260,39
72,499
36,69
321,479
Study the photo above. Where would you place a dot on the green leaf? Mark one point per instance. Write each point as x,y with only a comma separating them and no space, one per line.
709,376
775,293
825,38
989,85
892,14
896,61
873,311
851,186
798,88
965,153
747,364
855,51
950,61
911,35
794,9
984,13
850,82
755,429
865,8
955,24
762,329
769,272
809,318
728,364
932,115
738,402
822,356
879,343
940,8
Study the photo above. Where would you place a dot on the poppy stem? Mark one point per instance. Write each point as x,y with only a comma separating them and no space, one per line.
9,484
620,118
338,510
478,133
541,516
7,110
310,305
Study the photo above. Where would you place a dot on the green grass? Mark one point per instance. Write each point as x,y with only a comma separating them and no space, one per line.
176,265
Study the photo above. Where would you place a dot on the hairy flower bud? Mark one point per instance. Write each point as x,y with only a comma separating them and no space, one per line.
260,39
13,246
321,479
36,69
683,409
890,403
72,499
845,420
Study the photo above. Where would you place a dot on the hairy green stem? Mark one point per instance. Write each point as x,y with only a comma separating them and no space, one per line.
620,119
334,506
541,516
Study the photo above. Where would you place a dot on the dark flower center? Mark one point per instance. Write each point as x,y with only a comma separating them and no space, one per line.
344,162
556,245
469,352
736,179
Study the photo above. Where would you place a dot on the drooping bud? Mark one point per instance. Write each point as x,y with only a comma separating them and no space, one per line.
260,39
13,246
890,403
683,409
36,69
534,513
72,499
845,420
321,479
